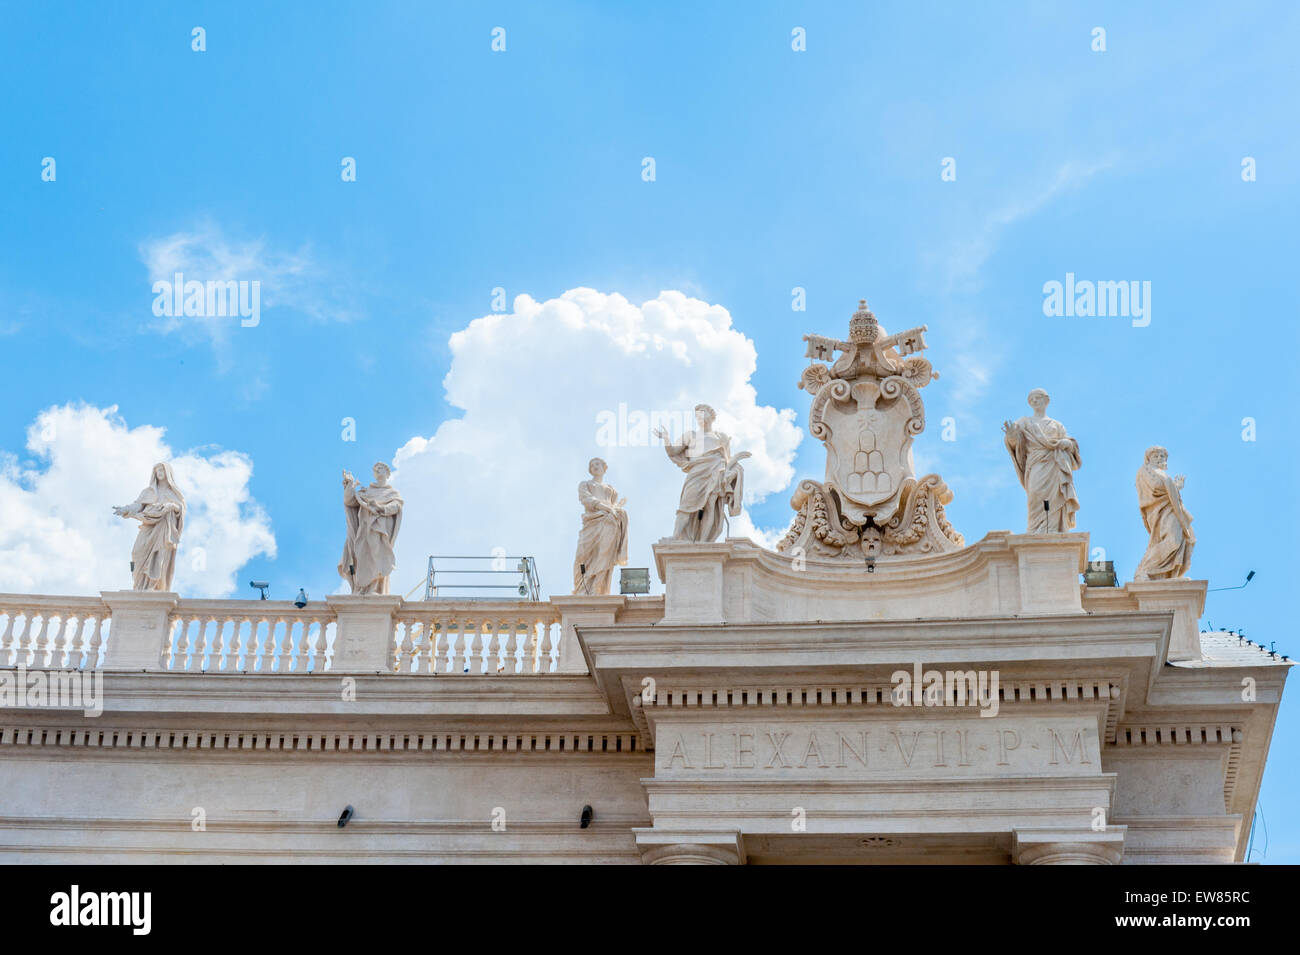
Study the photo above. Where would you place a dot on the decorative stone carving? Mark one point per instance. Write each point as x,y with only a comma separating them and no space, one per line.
866,410
1046,458
602,541
715,481
1169,552
374,516
160,509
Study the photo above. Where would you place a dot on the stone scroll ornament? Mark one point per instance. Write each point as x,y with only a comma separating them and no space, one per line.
374,516
866,410
1169,550
160,509
602,540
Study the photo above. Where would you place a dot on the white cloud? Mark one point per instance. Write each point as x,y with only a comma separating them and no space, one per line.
58,534
532,384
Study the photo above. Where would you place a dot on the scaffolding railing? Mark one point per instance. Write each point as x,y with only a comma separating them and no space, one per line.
449,575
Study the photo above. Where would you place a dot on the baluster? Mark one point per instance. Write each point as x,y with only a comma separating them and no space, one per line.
199,648
548,646
235,645
319,662
415,629
251,645
457,639
511,662
529,634
492,648
31,635
218,645
96,640
475,662
270,658
266,644
180,656
7,645
440,646
76,640
48,656
402,647
286,646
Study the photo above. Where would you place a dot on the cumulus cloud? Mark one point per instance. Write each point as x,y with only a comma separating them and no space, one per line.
550,385
58,534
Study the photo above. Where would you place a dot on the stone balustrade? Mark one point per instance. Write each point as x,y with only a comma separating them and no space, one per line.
248,636
505,637
147,631
56,632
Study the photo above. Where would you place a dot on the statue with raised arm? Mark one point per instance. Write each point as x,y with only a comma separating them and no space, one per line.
715,481
1046,458
1169,552
160,509
374,516
602,541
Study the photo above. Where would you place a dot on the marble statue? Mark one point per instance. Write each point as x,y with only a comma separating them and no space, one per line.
1169,553
602,541
715,481
1046,458
160,509
866,409
374,516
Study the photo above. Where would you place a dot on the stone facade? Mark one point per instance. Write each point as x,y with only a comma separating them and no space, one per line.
753,714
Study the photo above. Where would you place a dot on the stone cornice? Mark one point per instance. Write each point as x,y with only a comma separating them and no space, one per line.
1049,647
17,739
277,696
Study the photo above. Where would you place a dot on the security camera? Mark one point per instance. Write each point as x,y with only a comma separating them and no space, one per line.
261,585
300,601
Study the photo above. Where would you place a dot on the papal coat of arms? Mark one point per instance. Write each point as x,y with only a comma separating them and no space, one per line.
866,410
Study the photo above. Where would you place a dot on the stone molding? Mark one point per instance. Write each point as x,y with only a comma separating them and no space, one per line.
737,581
688,847
844,699
1067,846
316,741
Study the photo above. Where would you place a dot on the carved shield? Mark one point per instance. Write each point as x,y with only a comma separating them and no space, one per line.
868,449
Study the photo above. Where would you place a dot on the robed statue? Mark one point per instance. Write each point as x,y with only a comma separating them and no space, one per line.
602,541
1169,551
715,481
374,516
160,509
1045,457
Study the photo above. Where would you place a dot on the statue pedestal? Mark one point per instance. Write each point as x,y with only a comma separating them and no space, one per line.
578,610
1186,598
364,641
138,632
736,581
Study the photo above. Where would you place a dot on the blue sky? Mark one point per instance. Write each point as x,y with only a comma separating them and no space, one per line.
522,170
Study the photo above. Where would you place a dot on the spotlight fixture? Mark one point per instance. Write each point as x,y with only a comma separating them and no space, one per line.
345,815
